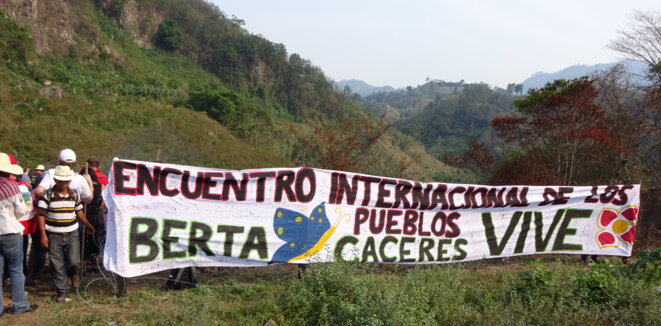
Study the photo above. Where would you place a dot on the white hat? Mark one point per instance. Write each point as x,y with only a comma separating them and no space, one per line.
39,167
6,166
67,155
63,173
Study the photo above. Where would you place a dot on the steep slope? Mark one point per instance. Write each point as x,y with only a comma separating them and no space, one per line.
124,95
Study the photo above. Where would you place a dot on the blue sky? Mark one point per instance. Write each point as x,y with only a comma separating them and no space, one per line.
400,43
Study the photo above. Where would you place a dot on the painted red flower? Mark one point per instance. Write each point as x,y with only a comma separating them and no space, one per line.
617,226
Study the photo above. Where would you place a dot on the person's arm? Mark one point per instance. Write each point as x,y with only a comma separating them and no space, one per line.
88,194
42,210
89,229
38,191
41,220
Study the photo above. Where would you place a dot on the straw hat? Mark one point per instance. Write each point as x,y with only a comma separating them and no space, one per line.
6,166
40,167
63,173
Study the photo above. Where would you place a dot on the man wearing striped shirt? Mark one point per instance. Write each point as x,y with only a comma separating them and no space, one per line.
59,209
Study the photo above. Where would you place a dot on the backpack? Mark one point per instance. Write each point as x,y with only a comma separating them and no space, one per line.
49,194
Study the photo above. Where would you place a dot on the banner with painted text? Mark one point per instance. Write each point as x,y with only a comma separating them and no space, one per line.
165,216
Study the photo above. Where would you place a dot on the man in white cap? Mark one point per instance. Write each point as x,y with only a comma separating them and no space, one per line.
81,184
12,207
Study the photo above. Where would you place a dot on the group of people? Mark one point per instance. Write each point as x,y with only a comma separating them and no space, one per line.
56,209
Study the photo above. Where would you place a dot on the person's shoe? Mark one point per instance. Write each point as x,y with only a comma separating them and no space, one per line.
62,299
31,308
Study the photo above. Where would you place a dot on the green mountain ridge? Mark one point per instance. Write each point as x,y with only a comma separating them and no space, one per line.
132,74
445,116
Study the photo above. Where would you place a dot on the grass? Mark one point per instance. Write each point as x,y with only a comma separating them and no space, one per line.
548,292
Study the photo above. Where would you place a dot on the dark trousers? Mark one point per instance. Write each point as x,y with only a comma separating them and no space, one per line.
64,252
94,244
37,259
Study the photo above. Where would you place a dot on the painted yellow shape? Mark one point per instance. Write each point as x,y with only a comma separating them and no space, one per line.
318,246
620,226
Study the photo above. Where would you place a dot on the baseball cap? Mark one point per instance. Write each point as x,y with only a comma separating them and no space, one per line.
67,155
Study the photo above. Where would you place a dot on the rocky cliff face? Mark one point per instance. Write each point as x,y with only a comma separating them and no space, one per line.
52,23
58,26
138,19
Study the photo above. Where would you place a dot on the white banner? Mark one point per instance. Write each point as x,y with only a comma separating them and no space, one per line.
166,216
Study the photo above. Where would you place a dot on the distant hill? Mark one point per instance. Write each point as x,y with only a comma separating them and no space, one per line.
637,69
444,116
362,88
411,101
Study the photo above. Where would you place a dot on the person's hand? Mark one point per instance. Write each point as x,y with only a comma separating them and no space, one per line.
89,229
44,241
26,170
88,178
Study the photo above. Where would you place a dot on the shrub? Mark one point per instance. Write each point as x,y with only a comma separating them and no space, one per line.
219,105
648,266
169,37
597,285
534,282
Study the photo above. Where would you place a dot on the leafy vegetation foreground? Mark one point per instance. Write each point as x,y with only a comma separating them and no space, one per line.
556,291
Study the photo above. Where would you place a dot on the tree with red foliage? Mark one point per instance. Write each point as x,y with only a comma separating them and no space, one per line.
563,121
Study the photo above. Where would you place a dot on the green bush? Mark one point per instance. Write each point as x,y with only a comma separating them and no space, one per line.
648,266
169,37
597,285
534,282
219,105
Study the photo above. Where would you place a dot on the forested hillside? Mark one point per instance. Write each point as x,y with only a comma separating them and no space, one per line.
445,116
128,75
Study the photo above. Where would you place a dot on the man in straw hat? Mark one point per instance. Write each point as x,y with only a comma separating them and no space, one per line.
12,207
59,210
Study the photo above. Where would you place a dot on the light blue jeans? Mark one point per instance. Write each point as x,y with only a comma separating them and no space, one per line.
11,253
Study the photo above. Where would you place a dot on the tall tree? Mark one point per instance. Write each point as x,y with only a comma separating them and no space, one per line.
562,119
642,41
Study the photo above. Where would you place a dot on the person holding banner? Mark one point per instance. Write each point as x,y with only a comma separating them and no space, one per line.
59,210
